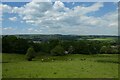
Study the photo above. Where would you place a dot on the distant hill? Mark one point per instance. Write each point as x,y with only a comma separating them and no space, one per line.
45,37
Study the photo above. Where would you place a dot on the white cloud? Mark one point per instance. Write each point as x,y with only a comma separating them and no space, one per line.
0,8
13,18
1,19
5,8
0,28
111,19
33,30
85,10
52,17
8,28
59,6
30,29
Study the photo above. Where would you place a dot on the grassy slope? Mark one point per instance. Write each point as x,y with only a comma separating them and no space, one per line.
97,66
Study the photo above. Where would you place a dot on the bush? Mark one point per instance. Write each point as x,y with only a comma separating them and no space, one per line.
104,50
30,54
112,50
58,51
109,50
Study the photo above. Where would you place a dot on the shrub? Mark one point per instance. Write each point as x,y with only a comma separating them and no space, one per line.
30,54
109,50
70,49
57,51
104,50
112,50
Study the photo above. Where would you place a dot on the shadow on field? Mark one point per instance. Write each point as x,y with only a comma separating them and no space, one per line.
4,62
108,61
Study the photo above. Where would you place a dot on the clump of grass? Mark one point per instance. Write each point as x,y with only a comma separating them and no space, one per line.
55,73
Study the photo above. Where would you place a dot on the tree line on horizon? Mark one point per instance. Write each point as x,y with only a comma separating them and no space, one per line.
57,47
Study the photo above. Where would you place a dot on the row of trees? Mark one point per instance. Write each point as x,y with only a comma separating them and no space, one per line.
12,44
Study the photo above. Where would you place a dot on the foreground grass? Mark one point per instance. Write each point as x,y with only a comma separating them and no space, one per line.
69,66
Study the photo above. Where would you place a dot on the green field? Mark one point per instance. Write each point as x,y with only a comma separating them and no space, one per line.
103,39
69,66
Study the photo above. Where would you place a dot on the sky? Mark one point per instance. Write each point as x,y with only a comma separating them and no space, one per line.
78,18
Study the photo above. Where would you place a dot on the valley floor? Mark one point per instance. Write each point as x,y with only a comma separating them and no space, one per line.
69,66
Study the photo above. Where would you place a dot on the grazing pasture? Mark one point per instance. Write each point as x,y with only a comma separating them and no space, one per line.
68,66
103,39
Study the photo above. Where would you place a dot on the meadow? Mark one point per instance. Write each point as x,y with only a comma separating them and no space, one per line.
103,39
68,66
